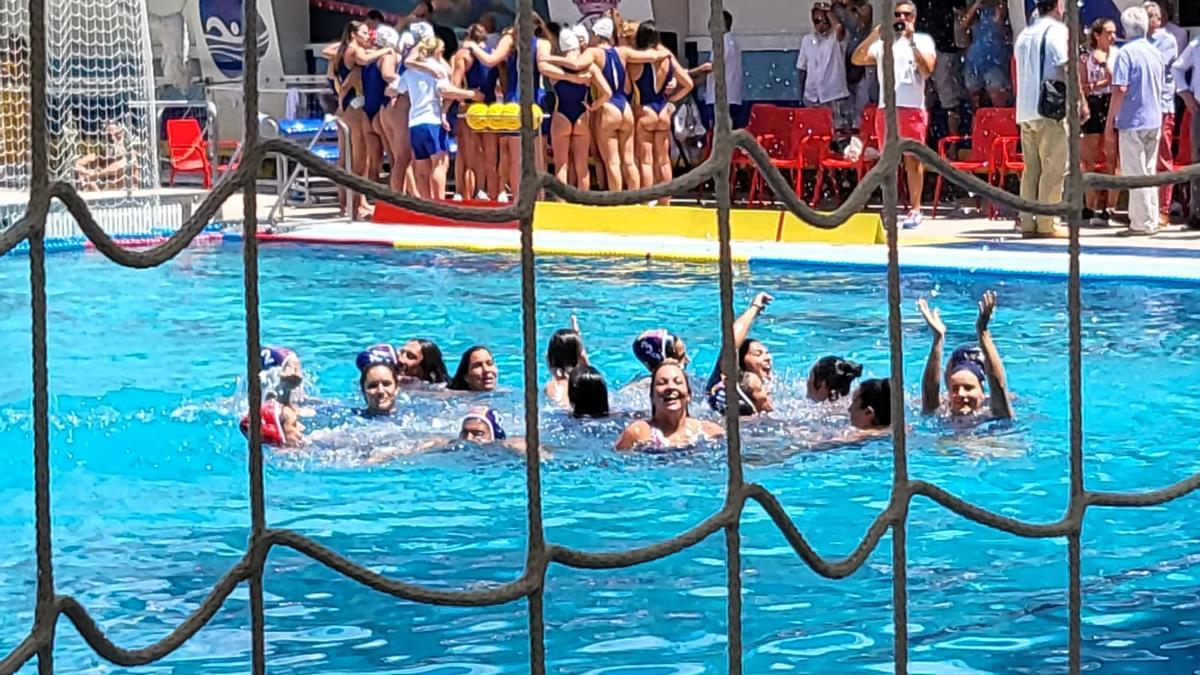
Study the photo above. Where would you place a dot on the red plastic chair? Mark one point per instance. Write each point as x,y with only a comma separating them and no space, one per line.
813,128
989,124
831,162
188,150
773,129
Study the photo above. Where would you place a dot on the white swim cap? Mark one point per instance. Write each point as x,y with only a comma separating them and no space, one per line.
421,30
603,28
386,36
581,32
567,40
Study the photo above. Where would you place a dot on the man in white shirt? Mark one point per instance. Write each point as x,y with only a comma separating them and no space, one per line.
1186,71
1169,49
915,58
733,81
822,66
1042,53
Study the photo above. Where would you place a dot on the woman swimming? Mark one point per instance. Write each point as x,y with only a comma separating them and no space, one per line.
378,380
655,107
969,367
352,55
655,346
282,375
570,125
427,79
871,406
421,361
478,152
587,393
753,357
830,378
670,425
280,425
476,371
564,353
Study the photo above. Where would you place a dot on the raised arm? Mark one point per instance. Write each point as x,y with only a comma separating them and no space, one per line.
583,355
497,56
997,380
862,53
362,57
580,61
415,61
931,381
631,55
741,327
683,82
330,51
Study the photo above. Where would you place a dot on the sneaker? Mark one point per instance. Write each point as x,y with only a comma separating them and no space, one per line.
1088,215
1126,233
456,198
481,196
913,220
502,198
1100,218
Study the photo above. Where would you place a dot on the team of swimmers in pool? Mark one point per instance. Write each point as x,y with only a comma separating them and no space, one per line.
575,384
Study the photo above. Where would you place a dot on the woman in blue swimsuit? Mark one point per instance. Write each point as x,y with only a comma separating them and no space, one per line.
655,108
570,126
352,56
478,153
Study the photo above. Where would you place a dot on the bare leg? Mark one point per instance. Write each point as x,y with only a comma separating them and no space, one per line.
422,172
581,143
915,171
441,167
644,146
560,144
662,158
607,138
633,177
491,165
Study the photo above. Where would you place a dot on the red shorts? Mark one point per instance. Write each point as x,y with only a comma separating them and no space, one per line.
914,122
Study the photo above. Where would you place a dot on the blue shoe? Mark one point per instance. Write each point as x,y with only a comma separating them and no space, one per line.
913,220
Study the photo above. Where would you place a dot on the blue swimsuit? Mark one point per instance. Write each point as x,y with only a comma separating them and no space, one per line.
343,73
571,97
650,96
483,79
374,89
614,73
512,87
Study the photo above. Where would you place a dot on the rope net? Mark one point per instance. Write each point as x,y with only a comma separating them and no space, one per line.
46,186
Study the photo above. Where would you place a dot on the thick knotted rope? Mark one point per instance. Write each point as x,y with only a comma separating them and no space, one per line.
529,583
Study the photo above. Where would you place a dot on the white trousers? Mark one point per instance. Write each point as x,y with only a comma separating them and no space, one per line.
1139,157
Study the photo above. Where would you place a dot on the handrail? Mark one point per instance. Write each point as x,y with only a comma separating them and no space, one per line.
344,132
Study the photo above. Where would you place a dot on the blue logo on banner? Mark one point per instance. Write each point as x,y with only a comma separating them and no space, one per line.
222,21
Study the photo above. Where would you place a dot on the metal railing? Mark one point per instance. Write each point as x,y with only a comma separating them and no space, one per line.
529,583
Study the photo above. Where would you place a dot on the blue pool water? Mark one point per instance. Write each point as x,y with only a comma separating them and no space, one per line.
149,476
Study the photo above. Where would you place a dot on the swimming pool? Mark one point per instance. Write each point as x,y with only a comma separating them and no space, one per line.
150,488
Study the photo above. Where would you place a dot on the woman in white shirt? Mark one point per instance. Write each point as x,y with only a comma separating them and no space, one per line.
427,81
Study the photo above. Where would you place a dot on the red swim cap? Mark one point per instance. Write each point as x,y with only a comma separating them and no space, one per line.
272,423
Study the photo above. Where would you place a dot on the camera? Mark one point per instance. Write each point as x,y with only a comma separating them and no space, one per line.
900,26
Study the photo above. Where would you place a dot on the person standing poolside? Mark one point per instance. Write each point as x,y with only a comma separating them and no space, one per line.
915,58
856,18
1168,48
1042,54
734,77
1186,71
967,371
821,64
670,425
986,63
658,87
571,121
1095,73
427,79
939,20
1136,118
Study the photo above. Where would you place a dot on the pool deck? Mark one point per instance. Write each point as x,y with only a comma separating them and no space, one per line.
952,242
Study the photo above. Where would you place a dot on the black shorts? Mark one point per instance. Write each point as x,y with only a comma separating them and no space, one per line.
1098,107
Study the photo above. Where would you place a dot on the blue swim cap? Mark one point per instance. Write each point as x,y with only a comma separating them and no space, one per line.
275,357
970,359
651,347
376,355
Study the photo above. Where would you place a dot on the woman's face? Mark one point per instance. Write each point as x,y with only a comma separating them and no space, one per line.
758,360
362,35
475,430
293,428
1108,36
860,417
379,389
411,359
670,392
966,393
481,371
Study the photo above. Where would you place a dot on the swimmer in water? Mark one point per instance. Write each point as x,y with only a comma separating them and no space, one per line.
753,357
281,425
282,375
830,378
967,371
587,393
564,354
476,371
480,426
378,380
871,407
653,347
670,425
421,361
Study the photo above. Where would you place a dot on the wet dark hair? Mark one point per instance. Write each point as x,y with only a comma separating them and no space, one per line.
477,32
837,374
587,392
375,15
877,395
432,362
687,381
362,377
564,350
459,383
744,350
1097,29
647,35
